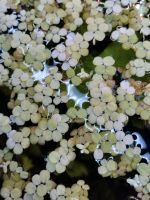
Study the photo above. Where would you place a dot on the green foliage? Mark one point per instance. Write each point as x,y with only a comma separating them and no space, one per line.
77,169
70,103
87,63
27,162
120,55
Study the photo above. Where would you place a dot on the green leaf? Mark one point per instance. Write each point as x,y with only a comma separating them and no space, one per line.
86,105
145,78
121,56
82,29
63,87
77,169
82,88
87,63
70,103
27,162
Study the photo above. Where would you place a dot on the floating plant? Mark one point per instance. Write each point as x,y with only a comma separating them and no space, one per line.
74,99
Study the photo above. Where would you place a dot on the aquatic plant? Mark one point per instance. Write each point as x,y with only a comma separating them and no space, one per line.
74,74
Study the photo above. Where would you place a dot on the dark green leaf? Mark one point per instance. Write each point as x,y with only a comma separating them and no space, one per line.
77,169
121,56
70,103
145,78
87,63
82,29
